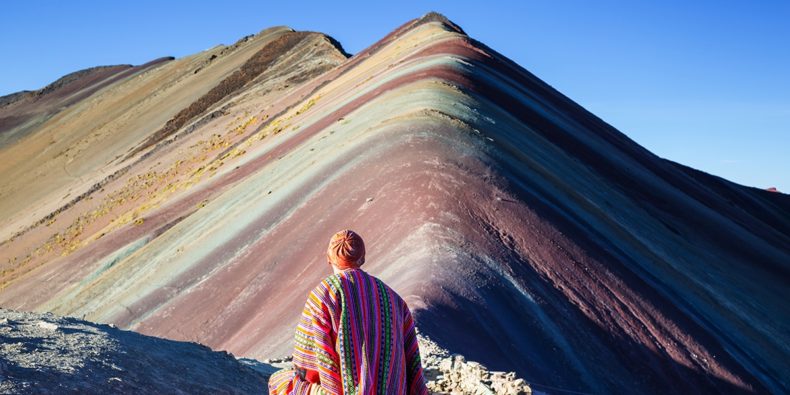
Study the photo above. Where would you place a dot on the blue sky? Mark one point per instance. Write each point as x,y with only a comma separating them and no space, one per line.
703,83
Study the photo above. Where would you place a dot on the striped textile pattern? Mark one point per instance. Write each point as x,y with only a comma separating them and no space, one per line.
355,336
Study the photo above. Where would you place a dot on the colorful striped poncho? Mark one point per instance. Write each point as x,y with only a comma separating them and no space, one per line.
356,336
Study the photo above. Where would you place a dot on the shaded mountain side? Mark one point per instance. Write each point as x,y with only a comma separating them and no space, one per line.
506,215
652,188
769,207
592,142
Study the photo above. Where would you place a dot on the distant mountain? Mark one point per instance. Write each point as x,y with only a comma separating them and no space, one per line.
193,199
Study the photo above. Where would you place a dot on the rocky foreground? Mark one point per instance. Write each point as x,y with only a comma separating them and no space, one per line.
450,373
49,354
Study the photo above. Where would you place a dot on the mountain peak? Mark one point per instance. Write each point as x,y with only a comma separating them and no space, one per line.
433,16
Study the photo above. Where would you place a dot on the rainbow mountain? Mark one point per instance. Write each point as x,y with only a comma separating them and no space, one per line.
192,199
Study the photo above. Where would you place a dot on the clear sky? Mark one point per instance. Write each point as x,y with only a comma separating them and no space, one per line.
703,83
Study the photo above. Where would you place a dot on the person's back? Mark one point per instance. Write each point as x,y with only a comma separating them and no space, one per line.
356,334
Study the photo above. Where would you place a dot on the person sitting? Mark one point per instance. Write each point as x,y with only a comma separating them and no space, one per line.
356,335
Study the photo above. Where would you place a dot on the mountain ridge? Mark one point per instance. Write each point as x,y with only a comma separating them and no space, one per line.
44,353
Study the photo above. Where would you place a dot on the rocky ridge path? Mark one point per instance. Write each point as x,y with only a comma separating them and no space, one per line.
447,373
49,354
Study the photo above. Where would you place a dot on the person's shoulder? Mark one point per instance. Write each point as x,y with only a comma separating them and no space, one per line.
327,292
390,291
330,284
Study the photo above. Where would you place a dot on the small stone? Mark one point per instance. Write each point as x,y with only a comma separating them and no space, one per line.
47,326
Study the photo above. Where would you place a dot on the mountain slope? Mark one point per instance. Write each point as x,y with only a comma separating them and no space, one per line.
509,218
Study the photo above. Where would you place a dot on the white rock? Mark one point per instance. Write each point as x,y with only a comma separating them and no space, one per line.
47,326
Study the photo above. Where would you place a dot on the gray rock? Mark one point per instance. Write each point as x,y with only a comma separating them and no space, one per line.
453,374
47,354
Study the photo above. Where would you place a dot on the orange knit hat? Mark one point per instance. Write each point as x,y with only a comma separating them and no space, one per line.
346,250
